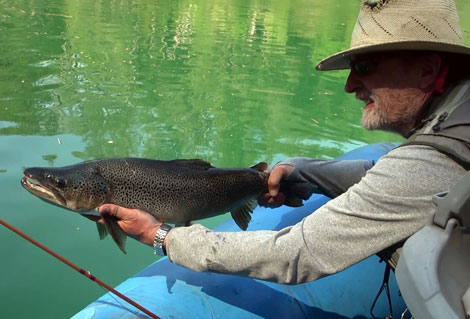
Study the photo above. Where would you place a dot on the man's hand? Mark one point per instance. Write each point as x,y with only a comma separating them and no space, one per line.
273,198
134,222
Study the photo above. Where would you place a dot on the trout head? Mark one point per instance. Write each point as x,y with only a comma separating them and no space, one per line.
77,187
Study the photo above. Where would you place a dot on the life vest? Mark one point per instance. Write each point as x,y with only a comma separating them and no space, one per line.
446,127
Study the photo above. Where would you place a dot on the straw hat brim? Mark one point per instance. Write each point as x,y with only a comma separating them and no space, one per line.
342,60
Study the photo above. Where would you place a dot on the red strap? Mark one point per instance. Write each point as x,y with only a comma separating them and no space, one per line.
439,88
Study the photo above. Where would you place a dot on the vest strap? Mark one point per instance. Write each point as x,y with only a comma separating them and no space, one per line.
448,131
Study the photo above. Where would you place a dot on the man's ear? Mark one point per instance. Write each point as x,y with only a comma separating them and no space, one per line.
430,66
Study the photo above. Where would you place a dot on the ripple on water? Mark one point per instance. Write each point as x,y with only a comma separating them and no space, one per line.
49,80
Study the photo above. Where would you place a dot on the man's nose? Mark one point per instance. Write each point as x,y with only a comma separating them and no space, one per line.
353,83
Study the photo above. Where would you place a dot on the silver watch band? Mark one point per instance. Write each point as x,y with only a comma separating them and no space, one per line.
159,238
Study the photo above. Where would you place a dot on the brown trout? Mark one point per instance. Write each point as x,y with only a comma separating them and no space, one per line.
177,191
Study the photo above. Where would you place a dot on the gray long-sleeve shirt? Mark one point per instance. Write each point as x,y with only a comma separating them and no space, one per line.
390,203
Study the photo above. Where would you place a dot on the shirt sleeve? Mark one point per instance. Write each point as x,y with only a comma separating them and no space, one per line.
331,178
389,204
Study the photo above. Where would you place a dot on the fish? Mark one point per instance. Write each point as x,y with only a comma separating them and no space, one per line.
176,191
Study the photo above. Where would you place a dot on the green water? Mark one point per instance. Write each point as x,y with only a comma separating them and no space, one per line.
231,82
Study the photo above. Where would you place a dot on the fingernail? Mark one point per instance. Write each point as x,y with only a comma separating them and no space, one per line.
104,210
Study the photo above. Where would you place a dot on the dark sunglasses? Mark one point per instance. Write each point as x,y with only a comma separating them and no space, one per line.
365,66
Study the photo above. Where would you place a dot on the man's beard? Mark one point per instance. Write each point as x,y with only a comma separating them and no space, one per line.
392,111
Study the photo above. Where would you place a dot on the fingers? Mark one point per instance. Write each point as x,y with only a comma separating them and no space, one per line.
273,198
278,173
121,213
272,202
274,181
134,222
126,215
109,209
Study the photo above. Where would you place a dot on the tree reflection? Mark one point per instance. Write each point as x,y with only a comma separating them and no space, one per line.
230,82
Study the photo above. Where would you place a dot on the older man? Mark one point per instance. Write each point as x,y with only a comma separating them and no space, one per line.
407,64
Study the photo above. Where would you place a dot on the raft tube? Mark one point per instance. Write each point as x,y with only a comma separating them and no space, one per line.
171,291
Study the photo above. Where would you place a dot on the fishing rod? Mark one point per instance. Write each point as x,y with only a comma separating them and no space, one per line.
80,270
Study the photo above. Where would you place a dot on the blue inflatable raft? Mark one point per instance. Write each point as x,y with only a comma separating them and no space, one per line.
171,291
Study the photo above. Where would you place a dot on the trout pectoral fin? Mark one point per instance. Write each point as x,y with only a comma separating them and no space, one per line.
102,232
115,231
242,214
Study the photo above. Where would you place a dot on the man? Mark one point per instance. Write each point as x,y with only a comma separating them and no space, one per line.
407,64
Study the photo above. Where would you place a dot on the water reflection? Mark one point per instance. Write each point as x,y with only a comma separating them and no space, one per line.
232,82
50,158
183,79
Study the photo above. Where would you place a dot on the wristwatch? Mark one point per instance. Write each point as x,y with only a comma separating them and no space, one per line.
158,248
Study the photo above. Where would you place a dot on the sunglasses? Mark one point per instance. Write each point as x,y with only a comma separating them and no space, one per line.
366,65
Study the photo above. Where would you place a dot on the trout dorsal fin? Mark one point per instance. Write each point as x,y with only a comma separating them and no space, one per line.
193,163
242,215
261,166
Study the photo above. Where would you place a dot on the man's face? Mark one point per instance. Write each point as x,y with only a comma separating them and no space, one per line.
389,87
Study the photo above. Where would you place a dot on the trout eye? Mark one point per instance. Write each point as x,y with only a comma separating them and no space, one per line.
60,182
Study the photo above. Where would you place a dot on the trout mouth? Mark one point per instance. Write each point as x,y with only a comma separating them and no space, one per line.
43,190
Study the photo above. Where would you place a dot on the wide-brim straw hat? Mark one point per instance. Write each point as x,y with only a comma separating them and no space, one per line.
392,25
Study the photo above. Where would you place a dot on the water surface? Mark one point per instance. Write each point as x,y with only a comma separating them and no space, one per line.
231,82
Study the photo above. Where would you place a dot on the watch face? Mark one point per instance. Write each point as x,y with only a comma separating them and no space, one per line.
165,227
